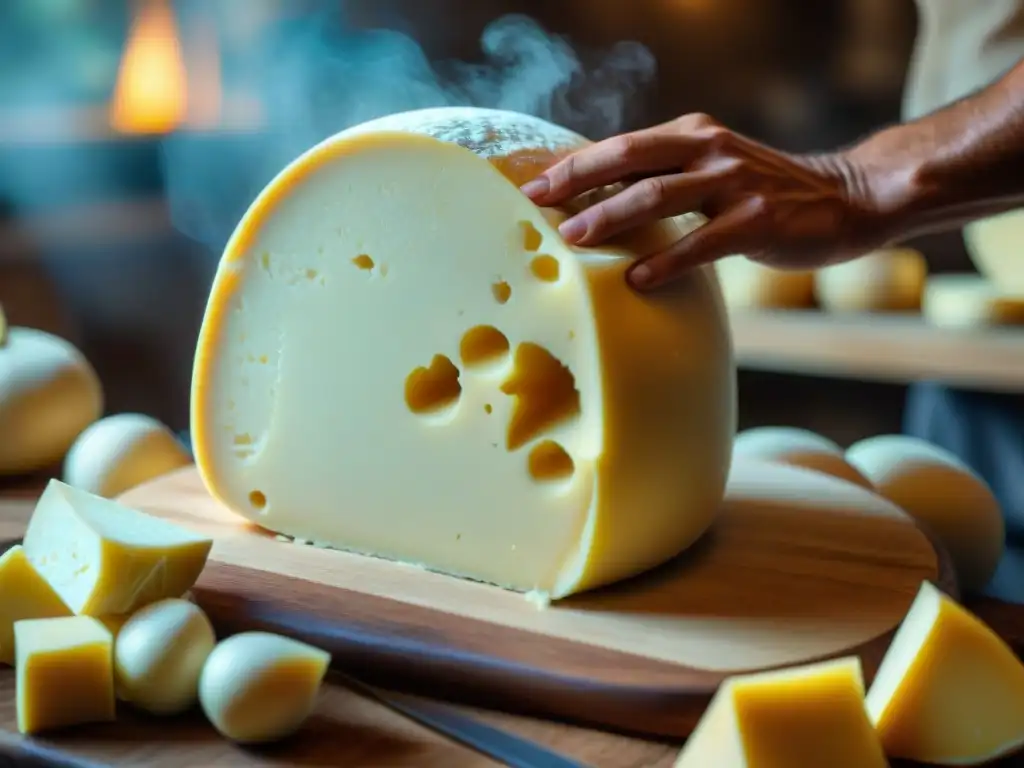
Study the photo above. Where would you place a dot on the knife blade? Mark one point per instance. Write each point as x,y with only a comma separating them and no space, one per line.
506,748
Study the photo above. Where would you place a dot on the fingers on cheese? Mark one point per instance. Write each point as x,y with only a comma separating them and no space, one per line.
949,691
802,717
49,393
24,594
935,487
64,673
259,687
886,280
120,452
401,357
798,448
103,558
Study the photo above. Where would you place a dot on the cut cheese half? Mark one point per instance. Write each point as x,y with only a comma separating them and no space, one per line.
401,357
887,280
748,285
803,717
996,246
949,691
970,301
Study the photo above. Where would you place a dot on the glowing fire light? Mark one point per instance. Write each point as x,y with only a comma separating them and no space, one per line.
151,94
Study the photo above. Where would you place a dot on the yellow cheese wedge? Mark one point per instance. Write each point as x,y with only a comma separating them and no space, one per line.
949,691
996,246
401,357
887,280
49,393
932,485
797,448
65,673
103,558
120,452
970,301
749,285
803,717
24,594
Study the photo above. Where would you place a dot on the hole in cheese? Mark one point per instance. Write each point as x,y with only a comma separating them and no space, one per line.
545,268
531,237
258,499
433,388
545,393
483,344
488,408
502,292
549,461
363,261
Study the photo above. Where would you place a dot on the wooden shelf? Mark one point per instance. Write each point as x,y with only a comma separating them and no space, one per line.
894,348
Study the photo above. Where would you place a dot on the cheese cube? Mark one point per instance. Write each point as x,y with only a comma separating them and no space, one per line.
949,691
64,673
103,558
24,594
803,717
402,357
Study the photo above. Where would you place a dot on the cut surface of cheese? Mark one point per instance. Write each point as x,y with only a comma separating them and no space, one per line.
104,558
24,594
887,280
797,448
949,691
970,301
120,452
49,393
802,717
934,486
996,246
749,285
258,687
65,673
401,357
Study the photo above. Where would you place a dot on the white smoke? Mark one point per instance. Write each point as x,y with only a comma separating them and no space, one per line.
315,82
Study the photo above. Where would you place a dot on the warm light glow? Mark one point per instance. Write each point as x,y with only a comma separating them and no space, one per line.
151,95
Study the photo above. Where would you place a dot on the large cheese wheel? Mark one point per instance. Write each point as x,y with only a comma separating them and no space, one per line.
120,452
49,393
749,285
996,246
887,280
934,486
797,448
970,301
400,356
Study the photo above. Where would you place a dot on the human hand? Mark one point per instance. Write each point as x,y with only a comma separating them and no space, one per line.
786,211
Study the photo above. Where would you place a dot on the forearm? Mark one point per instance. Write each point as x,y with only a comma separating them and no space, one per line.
962,162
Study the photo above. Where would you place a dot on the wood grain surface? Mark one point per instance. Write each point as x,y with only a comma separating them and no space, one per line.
345,729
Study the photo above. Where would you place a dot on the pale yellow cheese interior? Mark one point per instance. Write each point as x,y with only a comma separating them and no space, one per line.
24,594
401,357
104,558
949,691
64,673
811,716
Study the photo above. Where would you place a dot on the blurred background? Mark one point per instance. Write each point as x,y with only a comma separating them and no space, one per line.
134,134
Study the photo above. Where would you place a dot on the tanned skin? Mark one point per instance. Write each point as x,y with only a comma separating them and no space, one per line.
791,211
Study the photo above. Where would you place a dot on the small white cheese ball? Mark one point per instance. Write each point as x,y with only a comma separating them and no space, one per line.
49,393
259,687
120,452
932,485
797,448
159,655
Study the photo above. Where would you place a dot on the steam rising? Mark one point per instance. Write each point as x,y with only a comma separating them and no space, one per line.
315,82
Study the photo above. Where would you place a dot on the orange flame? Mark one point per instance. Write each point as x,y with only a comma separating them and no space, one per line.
151,94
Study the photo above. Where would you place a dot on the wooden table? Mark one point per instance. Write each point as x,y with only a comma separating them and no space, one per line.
346,729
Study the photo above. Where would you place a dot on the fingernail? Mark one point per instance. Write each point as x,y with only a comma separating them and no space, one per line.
536,187
640,276
572,229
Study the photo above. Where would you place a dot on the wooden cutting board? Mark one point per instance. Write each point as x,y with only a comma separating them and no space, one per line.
773,583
